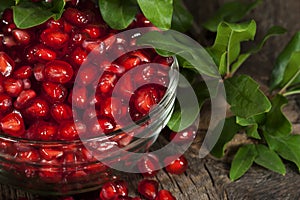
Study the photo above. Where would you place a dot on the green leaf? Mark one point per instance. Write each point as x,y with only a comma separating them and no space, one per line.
292,72
223,64
182,46
240,60
159,12
283,60
118,14
245,97
229,38
256,119
252,131
6,4
230,12
287,147
273,31
242,161
269,159
182,19
229,130
276,123
29,14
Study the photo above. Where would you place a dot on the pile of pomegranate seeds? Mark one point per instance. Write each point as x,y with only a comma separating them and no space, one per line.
38,67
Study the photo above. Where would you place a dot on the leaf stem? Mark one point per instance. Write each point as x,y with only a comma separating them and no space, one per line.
283,90
228,54
291,93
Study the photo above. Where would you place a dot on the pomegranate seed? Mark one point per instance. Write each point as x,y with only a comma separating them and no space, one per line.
75,17
7,29
42,130
54,24
7,16
38,108
68,130
29,156
7,65
107,82
22,37
50,153
78,56
54,38
77,39
103,125
142,55
164,195
13,87
24,97
177,165
114,68
148,189
80,98
27,84
167,61
111,190
146,97
54,92
23,72
5,103
58,71
183,137
61,112
13,124
94,31
87,75
50,174
149,165
130,62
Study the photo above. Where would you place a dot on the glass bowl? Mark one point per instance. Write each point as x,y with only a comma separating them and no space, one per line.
76,166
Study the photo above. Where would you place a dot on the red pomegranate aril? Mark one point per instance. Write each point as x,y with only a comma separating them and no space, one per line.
61,112
55,24
24,97
23,72
142,55
54,38
149,165
94,31
29,156
77,39
183,137
13,124
80,98
107,124
13,87
176,164
130,62
107,82
114,68
38,109
54,92
50,174
58,71
7,29
78,56
166,61
87,75
51,153
7,65
43,54
7,16
111,190
148,189
146,97
164,195
41,130
75,17
5,103
70,130
22,37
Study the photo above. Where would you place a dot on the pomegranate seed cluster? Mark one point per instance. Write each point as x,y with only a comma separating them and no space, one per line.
38,67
